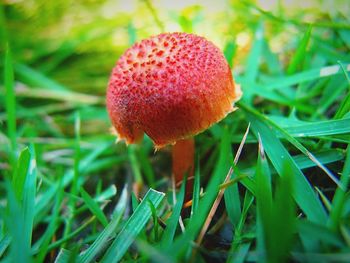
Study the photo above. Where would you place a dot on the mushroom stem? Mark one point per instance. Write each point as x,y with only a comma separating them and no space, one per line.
183,163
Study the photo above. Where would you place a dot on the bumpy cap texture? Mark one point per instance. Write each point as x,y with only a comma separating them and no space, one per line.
170,86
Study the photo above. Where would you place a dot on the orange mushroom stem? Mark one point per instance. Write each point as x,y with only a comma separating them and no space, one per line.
183,163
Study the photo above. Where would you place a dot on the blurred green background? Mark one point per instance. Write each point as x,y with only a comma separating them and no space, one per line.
76,43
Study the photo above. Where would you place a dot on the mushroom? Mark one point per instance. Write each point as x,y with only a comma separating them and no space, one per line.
171,87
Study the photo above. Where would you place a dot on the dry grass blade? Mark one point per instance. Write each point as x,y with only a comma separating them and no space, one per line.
221,192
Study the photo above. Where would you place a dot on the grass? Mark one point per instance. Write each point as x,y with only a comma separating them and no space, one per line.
69,193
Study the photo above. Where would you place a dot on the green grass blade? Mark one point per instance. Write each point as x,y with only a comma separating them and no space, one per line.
196,189
232,202
146,167
239,256
46,197
16,228
41,246
4,243
132,227
172,222
320,232
182,243
155,228
331,93
345,104
304,195
263,194
60,95
252,67
291,139
247,202
340,195
320,128
29,192
312,74
135,166
109,231
151,253
324,156
283,218
229,52
94,207
20,174
37,79
299,56
76,174
10,100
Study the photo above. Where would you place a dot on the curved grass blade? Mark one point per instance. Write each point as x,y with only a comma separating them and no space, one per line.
10,102
169,232
299,55
94,207
256,115
132,227
277,153
102,240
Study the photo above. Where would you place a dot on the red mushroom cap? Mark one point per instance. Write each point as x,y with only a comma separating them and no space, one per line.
170,86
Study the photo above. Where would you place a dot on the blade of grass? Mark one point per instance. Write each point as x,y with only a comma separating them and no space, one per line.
221,191
16,225
135,166
181,244
109,231
340,195
151,252
229,51
291,139
155,229
42,245
172,222
304,195
72,234
74,187
240,255
345,104
46,197
10,102
132,227
4,243
94,207
196,189
20,174
321,232
283,218
324,156
308,75
319,128
61,95
231,195
37,79
300,53
263,194
330,94
252,67
29,192
322,257
276,217
146,167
